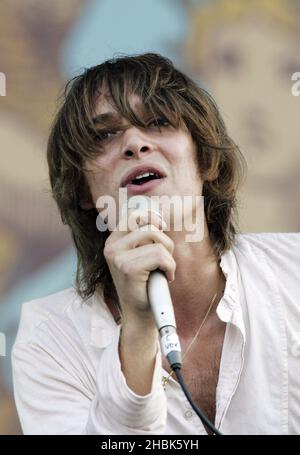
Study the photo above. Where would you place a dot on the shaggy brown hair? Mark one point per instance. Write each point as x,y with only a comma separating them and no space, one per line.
164,91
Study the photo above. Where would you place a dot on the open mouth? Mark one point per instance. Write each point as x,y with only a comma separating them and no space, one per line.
146,177
142,175
143,179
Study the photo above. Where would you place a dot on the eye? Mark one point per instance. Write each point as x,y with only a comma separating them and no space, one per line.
102,136
159,122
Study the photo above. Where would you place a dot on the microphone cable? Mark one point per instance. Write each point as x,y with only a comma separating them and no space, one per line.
176,368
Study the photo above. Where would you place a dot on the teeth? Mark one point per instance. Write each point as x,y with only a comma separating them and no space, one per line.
144,175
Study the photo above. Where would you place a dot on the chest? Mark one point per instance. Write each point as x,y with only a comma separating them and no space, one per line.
200,371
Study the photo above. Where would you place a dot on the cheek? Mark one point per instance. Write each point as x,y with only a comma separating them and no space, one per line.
182,153
102,163
180,147
187,153
98,184
100,169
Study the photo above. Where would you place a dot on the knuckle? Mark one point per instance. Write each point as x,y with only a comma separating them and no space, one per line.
172,262
160,250
118,263
169,243
125,269
107,251
172,243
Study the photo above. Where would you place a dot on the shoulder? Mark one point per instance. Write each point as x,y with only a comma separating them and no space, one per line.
276,246
52,311
267,255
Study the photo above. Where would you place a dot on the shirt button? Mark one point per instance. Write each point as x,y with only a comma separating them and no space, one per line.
188,414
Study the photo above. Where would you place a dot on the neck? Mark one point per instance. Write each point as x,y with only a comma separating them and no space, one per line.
198,277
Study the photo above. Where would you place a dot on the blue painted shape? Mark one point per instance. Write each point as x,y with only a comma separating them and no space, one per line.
111,27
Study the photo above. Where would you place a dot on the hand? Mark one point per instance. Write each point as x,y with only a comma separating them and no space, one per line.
131,255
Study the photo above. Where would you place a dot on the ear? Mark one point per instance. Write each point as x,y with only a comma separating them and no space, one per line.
211,176
213,172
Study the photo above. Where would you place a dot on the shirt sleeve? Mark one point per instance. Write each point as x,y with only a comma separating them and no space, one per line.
52,398
122,411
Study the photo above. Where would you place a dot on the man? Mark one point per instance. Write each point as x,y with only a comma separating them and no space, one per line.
88,361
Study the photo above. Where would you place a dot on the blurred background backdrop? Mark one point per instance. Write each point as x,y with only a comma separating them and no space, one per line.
243,51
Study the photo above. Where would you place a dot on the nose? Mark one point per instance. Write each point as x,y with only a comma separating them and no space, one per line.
135,143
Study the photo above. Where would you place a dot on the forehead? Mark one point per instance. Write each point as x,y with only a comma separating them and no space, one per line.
105,104
111,110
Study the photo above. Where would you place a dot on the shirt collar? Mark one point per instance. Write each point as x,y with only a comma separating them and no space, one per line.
230,306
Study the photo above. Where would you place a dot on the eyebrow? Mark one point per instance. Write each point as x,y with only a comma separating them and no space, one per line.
111,119
106,118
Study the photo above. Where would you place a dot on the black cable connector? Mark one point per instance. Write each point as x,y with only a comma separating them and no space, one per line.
203,418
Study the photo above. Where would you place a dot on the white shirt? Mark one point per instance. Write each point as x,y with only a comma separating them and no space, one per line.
68,378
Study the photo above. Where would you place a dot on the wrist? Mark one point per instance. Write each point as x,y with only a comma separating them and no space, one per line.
138,318
131,323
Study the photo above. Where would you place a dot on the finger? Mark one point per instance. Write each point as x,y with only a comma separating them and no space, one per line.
134,219
146,259
138,218
141,237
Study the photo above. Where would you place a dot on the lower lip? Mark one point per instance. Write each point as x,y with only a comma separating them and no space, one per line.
145,187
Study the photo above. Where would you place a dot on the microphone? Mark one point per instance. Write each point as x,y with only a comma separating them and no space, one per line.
159,294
